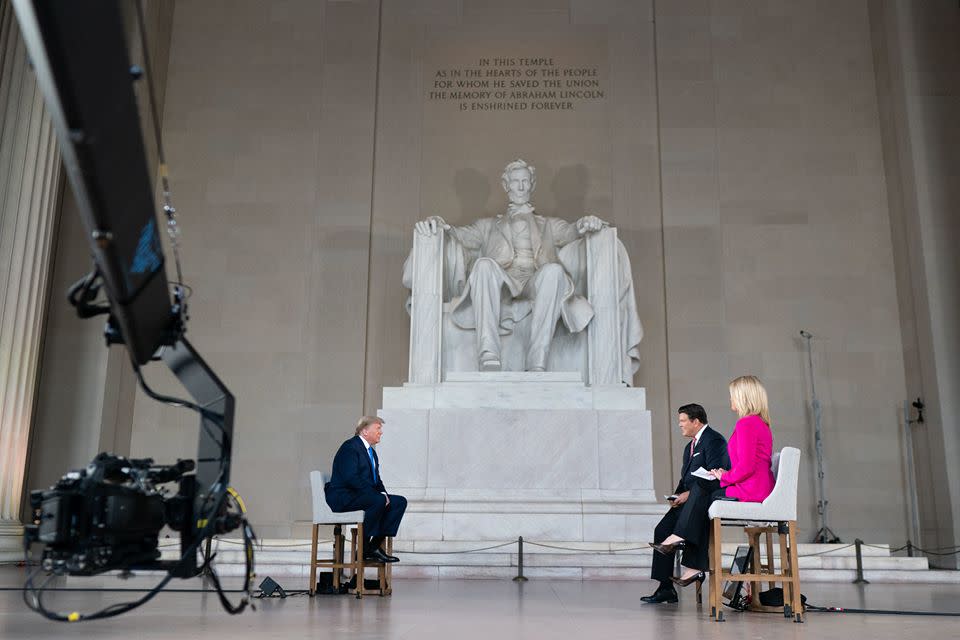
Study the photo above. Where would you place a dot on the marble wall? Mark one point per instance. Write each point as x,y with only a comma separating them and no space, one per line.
776,220
737,148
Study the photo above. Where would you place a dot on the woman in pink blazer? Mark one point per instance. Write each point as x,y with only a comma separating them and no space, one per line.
751,445
749,478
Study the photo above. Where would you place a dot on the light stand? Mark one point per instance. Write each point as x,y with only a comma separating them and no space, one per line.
824,533
911,471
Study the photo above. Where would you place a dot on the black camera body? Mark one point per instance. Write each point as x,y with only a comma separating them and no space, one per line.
109,515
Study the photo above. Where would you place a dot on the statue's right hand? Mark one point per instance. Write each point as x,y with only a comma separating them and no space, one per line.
430,226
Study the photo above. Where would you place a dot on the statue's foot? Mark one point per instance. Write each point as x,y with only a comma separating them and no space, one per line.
537,369
489,362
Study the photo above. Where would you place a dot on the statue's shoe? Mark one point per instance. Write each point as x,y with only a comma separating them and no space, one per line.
490,364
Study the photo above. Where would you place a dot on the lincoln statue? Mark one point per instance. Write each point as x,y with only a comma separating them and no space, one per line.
513,257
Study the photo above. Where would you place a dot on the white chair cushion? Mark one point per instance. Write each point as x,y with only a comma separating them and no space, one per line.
780,505
322,514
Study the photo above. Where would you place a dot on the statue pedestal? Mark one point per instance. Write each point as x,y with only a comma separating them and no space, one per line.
492,456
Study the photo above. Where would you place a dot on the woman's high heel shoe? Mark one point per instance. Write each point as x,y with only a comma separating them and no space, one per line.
684,582
666,549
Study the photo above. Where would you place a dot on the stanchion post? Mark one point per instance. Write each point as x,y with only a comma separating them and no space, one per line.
860,579
909,549
520,577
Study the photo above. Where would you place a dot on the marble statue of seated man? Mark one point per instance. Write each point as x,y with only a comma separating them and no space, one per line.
514,256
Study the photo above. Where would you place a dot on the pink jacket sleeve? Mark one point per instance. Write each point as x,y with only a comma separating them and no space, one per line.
747,441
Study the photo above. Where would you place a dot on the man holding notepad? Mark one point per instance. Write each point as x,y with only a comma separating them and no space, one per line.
707,450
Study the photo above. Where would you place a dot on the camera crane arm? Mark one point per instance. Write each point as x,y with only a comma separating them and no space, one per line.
79,53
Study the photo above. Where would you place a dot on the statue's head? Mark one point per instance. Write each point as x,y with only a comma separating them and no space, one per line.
519,179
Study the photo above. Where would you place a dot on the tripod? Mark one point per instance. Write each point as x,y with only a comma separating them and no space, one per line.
824,534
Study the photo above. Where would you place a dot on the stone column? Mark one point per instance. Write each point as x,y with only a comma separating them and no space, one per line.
30,183
917,54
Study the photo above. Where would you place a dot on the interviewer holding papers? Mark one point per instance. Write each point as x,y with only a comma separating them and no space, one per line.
707,450
749,478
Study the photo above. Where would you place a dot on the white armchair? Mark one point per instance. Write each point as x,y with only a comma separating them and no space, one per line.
323,515
776,515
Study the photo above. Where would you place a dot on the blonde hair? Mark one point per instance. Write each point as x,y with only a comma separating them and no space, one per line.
749,397
366,421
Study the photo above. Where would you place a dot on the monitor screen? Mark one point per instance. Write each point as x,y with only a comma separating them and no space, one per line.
742,559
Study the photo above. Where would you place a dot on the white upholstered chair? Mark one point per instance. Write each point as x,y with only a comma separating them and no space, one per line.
777,515
323,515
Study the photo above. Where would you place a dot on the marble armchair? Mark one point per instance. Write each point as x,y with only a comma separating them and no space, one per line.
605,353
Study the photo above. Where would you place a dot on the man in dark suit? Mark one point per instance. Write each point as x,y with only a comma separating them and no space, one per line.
355,484
707,449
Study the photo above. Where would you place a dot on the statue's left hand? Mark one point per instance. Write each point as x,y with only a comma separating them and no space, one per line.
590,224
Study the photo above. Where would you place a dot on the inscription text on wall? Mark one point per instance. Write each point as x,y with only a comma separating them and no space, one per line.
516,84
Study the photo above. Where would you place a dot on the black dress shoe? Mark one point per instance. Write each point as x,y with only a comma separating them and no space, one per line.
697,577
663,594
379,556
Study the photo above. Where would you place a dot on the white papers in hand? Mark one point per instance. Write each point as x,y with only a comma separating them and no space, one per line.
703,473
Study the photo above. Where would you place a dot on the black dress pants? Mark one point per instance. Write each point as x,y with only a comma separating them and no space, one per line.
662,567
690,522
379,518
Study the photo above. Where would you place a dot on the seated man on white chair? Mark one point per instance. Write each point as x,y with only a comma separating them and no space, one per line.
355,485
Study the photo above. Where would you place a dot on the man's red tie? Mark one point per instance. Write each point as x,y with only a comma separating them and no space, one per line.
692,445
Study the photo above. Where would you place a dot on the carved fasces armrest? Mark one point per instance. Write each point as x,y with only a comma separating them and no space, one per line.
424,269
603,333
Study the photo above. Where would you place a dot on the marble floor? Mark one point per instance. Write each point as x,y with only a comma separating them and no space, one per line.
468,609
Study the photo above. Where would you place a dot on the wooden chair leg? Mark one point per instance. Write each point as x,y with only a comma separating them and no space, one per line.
716,569
786,570
754,538
795,573
354,560
337,557
360,539
389,567
382,577
313,559
771,567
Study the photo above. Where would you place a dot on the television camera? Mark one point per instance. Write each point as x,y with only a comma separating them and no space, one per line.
109,515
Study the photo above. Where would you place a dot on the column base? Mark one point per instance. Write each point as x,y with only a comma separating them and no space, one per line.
11,541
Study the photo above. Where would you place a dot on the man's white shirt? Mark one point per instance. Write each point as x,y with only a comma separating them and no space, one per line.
367,447
696,438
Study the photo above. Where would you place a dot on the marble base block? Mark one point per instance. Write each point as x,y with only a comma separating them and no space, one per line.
494,456
11,542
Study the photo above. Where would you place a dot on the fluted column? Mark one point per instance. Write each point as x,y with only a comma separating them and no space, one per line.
29,193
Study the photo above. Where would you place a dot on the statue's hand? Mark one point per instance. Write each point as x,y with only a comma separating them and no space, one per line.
429,226
590,224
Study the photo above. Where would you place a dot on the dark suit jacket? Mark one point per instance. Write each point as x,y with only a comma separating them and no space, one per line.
710,453
352,479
